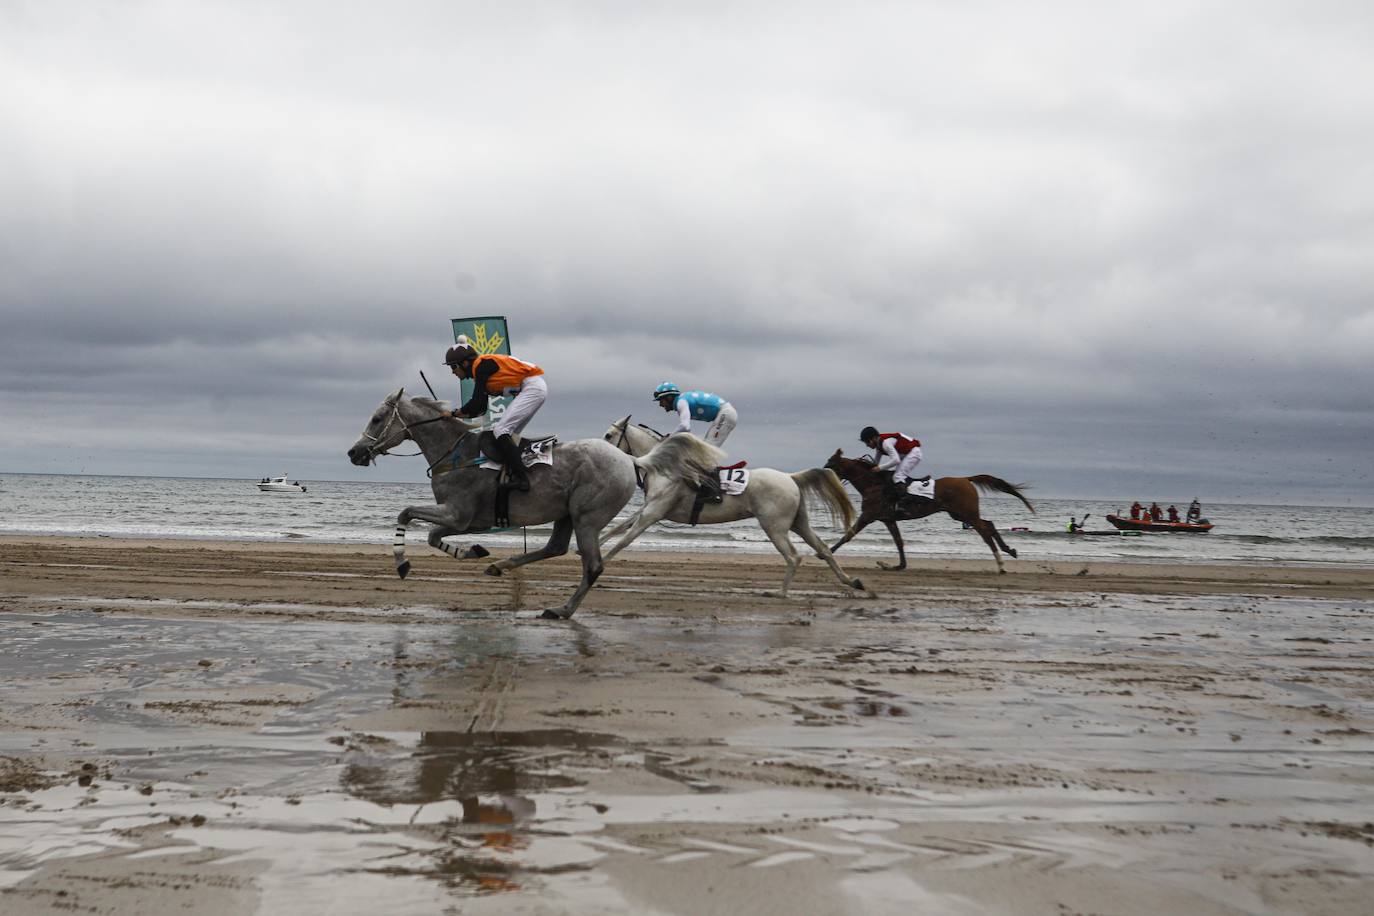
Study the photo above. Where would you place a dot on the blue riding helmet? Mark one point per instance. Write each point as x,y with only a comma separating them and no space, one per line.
665,389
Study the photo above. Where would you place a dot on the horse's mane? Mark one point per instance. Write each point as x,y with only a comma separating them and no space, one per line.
439,407
430,403
683,456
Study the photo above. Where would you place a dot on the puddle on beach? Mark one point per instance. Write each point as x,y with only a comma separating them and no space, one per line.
903,739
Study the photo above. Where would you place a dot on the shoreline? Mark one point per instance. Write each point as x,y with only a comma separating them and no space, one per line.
267,570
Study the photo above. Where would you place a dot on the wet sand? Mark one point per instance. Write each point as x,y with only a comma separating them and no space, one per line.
230,727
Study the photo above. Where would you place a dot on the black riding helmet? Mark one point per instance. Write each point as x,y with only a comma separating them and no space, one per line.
867,433
459,354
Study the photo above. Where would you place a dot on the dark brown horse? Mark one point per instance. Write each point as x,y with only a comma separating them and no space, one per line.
956,495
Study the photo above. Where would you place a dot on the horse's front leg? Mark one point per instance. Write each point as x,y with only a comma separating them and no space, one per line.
655,509
901,548
440,516
617,529
863,522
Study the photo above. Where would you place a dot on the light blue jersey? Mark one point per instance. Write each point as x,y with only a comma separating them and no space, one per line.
702,404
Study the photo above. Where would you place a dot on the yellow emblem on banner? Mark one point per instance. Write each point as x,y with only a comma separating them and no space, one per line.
483,343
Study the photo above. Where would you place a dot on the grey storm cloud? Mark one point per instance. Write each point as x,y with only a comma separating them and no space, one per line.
1101,247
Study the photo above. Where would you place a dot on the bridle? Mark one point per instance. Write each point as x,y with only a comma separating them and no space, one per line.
863,462
624,434
640,480
373,452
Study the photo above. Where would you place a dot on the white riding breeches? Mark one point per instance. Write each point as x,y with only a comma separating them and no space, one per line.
907,468
722,425
522,409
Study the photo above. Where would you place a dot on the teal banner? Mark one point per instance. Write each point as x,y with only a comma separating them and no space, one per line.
486,335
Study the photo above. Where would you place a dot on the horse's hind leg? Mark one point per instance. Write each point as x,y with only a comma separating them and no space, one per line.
778,535
592,566
990,537
896,533
1001,543
802,526
556,547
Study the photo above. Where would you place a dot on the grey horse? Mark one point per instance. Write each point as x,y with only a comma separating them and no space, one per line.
581,492
776,499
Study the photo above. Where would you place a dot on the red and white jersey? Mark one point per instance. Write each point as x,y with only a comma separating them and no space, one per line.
893,448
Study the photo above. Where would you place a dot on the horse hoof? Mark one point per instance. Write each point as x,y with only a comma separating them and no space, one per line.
857,585
403,570
550,615
493,570
475,552
898,567
1012,552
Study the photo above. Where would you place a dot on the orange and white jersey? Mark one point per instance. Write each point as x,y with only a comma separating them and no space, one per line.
509,374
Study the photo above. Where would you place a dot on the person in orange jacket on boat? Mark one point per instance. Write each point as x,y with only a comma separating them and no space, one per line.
1156,513
1135,510
496,374
1173,514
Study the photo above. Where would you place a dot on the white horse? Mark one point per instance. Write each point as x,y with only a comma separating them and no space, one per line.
775,498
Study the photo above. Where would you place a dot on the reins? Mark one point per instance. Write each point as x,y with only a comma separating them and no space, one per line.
448,453
865,483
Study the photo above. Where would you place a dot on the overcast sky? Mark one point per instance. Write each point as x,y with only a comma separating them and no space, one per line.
1112,250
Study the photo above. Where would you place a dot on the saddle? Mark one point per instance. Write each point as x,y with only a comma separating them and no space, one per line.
530,450
898,494
486,444
709,491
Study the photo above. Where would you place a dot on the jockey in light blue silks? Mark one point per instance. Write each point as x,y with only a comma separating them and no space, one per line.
698,405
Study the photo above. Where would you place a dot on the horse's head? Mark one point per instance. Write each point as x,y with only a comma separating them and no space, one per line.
848,468
394,421
842,466
385,430
616,434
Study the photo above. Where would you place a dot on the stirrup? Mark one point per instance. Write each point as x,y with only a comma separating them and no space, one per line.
516,480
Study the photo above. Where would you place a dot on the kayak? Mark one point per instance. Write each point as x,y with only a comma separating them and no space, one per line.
1131,524
1111,534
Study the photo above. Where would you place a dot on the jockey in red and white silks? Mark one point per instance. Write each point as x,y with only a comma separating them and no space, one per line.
893,452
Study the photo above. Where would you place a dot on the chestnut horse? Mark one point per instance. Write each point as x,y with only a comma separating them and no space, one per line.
956,495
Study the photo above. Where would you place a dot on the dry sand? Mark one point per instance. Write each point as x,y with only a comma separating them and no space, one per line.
289,728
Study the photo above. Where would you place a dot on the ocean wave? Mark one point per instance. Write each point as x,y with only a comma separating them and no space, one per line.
1342,541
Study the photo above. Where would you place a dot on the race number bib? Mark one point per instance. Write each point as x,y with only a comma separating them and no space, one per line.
733,481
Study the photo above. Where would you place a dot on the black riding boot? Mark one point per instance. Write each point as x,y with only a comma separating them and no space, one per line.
515,468
896,495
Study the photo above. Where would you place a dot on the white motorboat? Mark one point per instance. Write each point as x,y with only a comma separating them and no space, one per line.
280,485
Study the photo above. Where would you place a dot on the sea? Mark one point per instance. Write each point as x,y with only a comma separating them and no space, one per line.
365,513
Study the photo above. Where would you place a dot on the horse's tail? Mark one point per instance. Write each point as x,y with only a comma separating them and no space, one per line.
987,482
685,458
822,485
